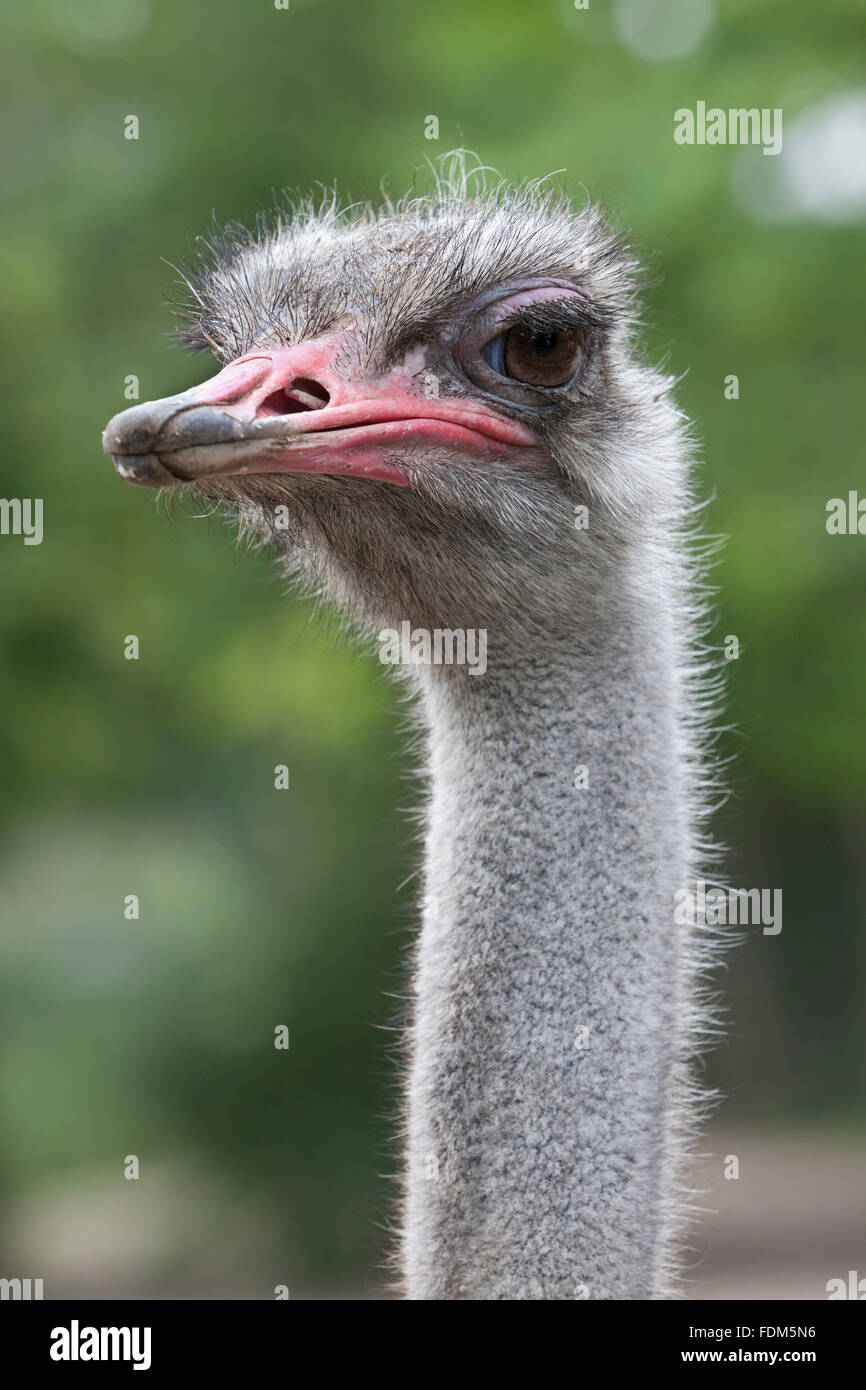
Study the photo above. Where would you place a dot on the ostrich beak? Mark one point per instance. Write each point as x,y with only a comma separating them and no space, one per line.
287,410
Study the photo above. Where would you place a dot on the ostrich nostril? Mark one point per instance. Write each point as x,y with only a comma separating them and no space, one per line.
313,392
301,393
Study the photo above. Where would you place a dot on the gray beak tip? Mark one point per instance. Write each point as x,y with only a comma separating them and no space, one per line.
145,470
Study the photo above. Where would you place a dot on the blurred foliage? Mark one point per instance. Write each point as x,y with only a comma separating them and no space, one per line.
156,777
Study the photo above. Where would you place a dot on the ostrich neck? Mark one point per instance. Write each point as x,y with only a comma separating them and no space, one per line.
544,1046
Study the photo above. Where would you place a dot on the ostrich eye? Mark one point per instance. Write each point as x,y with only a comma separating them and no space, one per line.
546,356
521,343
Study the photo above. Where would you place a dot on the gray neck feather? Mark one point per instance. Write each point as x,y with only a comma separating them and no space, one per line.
546,1051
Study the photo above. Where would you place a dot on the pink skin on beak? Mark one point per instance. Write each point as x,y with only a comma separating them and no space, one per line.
286,410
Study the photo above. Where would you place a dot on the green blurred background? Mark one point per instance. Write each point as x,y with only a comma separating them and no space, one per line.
262,907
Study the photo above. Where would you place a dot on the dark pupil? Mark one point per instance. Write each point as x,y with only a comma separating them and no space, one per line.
544,341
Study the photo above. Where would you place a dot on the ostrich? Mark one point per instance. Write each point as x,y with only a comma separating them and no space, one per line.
436,412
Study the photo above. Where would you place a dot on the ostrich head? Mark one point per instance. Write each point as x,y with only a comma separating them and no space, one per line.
415,398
